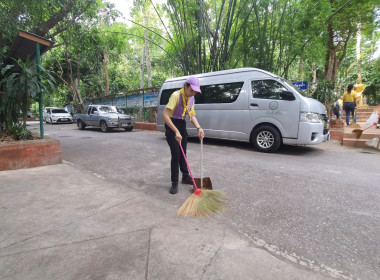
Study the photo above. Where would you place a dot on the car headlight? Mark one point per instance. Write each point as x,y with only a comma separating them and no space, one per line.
113,119
310,117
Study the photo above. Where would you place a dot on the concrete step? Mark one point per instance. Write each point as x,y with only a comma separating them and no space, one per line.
370,109
356,143
345,134
360,116
353,140
360,113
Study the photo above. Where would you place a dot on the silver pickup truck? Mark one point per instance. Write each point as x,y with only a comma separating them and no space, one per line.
105,117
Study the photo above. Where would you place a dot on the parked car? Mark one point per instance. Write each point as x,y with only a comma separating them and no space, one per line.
56,115
105,117
46,112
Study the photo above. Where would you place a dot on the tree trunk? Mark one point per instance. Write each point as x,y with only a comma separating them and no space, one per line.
148,64
139,116
142,65
106,73
358,42
315,81
300,69
77,84
330,55
50,23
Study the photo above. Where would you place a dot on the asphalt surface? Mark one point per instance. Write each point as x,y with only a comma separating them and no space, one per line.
314,206
59,222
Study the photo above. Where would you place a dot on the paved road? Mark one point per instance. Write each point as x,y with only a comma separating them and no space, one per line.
317,206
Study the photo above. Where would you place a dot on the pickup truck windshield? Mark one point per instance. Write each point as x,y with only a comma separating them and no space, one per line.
106,109
116,110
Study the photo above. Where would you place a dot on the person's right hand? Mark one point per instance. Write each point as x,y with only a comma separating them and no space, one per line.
178,136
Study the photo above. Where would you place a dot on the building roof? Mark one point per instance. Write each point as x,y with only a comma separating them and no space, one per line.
24,45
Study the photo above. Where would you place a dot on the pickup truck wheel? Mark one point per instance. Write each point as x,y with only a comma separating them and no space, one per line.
128,128
81,125
266,139
104,126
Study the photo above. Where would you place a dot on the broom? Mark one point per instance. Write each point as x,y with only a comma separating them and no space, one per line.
201,202
359,132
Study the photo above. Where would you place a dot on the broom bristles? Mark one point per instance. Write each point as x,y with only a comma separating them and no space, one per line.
208,202
354,125
357,132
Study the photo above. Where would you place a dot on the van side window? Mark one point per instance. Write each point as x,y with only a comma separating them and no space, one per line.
165,95
219,93
216,93
267,89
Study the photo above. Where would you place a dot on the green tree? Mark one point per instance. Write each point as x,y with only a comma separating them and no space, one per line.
21,83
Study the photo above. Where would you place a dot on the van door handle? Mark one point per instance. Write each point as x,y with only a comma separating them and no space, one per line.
254,105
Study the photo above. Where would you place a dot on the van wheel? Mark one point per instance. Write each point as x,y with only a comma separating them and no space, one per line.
104,126
266,139
128,128
81,125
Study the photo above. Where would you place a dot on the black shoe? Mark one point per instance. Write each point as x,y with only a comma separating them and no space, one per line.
187,180
174,188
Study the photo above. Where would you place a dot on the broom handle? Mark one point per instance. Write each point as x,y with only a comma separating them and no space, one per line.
188,166
370,126
201,163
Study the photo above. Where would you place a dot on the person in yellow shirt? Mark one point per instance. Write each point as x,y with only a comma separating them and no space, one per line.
340,101
181,104
349,103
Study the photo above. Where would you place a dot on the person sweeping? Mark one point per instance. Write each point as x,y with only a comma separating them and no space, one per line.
181,105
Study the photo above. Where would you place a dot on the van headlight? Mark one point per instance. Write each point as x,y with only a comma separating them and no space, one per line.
310,117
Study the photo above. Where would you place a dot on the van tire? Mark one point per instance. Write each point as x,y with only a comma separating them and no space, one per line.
266,139
81,125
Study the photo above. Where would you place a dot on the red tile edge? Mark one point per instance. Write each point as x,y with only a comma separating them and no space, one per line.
31,153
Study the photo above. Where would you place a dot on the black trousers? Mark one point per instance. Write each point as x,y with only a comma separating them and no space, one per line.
177,162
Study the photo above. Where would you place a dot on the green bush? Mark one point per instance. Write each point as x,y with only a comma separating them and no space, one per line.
20,84
19,132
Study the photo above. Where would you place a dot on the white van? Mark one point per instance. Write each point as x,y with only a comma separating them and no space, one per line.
252,105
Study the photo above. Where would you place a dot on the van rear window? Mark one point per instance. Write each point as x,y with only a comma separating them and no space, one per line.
216,93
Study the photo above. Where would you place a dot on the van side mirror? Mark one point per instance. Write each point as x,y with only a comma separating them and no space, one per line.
287,95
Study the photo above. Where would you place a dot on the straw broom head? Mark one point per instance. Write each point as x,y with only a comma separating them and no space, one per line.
357,132
204,204
354,125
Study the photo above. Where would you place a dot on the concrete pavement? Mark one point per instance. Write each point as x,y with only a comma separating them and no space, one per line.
59,222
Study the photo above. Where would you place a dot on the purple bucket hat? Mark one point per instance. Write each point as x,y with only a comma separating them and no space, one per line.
194,83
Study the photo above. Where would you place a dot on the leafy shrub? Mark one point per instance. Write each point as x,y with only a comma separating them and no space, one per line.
20,132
